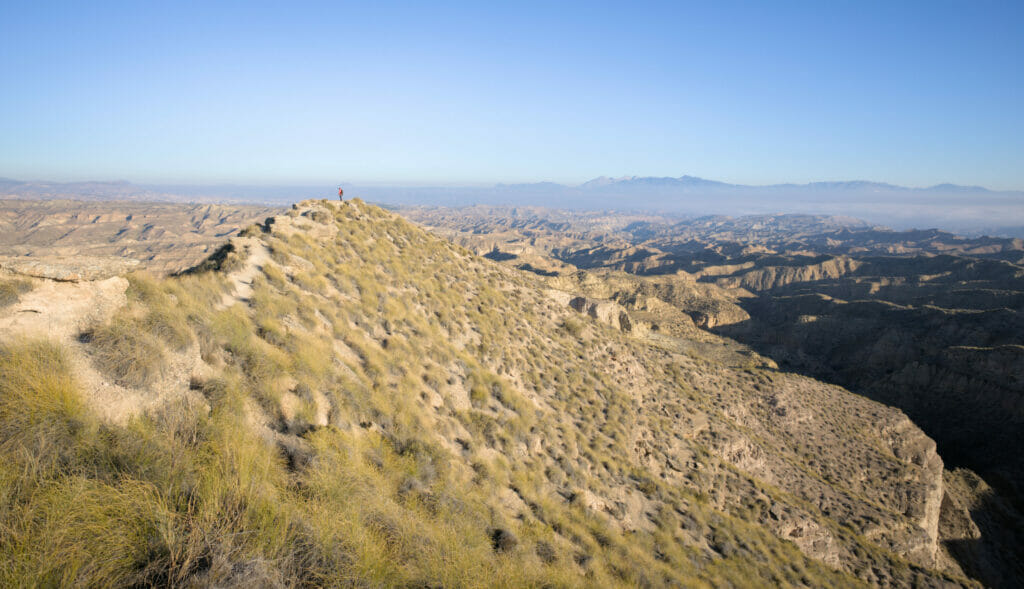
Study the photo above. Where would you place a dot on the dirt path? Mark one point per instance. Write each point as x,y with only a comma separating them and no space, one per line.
256,255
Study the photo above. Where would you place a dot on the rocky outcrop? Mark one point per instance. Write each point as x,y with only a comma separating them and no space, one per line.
924,501
980,529
609,313
772,277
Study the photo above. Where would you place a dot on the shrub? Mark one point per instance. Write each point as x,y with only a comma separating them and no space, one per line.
11,290
123,351
169,325
572,326
163,317
274,275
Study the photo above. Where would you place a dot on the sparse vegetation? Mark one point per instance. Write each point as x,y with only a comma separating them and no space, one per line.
11,290
573,327
123,351
361,419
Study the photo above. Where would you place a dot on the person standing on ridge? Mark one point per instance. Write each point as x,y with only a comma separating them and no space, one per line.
341,194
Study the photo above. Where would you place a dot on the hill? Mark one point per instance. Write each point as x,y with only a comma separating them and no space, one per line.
338,397
924,320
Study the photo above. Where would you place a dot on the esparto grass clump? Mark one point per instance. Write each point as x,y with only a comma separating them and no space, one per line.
11,290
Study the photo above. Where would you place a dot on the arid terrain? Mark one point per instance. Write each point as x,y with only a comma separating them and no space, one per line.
517,295
163,237
924,321
336,396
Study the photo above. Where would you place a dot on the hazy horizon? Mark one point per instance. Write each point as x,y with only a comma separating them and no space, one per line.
185,182
964,210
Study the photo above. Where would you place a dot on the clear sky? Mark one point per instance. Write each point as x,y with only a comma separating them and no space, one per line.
913,93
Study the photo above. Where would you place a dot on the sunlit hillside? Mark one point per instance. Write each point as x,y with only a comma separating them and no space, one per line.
340,398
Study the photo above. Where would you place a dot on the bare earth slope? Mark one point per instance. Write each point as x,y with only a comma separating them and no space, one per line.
164,237
339,397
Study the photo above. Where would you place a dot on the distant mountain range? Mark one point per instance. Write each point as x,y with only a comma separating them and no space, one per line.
684,183
971,210
964,209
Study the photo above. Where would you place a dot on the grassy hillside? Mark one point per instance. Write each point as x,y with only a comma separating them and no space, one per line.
339,398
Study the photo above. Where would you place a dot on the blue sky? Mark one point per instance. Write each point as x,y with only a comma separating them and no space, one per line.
913,93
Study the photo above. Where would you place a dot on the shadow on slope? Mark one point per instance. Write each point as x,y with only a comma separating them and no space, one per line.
958,374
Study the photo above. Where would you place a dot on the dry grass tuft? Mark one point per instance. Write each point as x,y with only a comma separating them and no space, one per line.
40,412
124,352
12,289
